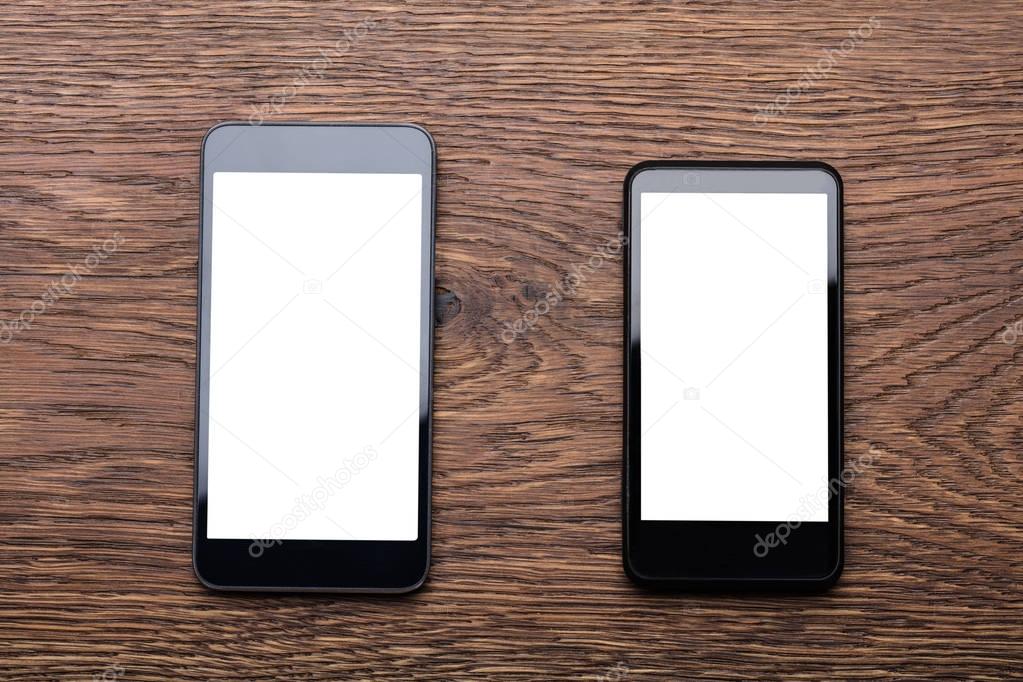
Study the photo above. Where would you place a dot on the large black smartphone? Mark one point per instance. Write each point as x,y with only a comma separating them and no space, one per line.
733,375
313,386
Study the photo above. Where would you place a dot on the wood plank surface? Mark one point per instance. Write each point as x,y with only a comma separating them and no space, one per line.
538,110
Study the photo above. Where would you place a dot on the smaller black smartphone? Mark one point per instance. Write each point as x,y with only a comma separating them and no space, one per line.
315,358
733,473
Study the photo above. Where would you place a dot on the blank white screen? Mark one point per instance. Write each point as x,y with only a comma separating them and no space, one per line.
733,325
314,356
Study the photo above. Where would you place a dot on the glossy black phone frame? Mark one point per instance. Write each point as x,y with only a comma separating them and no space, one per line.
315,565
718,555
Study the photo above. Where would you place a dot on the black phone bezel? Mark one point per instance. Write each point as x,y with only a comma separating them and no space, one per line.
718,555
316,565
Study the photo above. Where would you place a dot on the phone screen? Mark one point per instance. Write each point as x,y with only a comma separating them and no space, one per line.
734,329
314,355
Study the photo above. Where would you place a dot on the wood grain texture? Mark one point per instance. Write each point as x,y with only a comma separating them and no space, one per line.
538,110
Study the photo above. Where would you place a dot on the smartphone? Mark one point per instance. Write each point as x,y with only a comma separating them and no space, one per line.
733,375
314,363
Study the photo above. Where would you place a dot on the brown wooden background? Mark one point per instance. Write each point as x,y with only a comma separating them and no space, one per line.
538,109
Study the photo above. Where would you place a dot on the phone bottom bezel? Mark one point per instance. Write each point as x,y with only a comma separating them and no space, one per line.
722,555
312,566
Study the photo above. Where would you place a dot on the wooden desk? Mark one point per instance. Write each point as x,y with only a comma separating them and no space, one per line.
538,110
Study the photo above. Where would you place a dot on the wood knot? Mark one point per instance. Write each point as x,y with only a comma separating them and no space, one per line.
446,306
